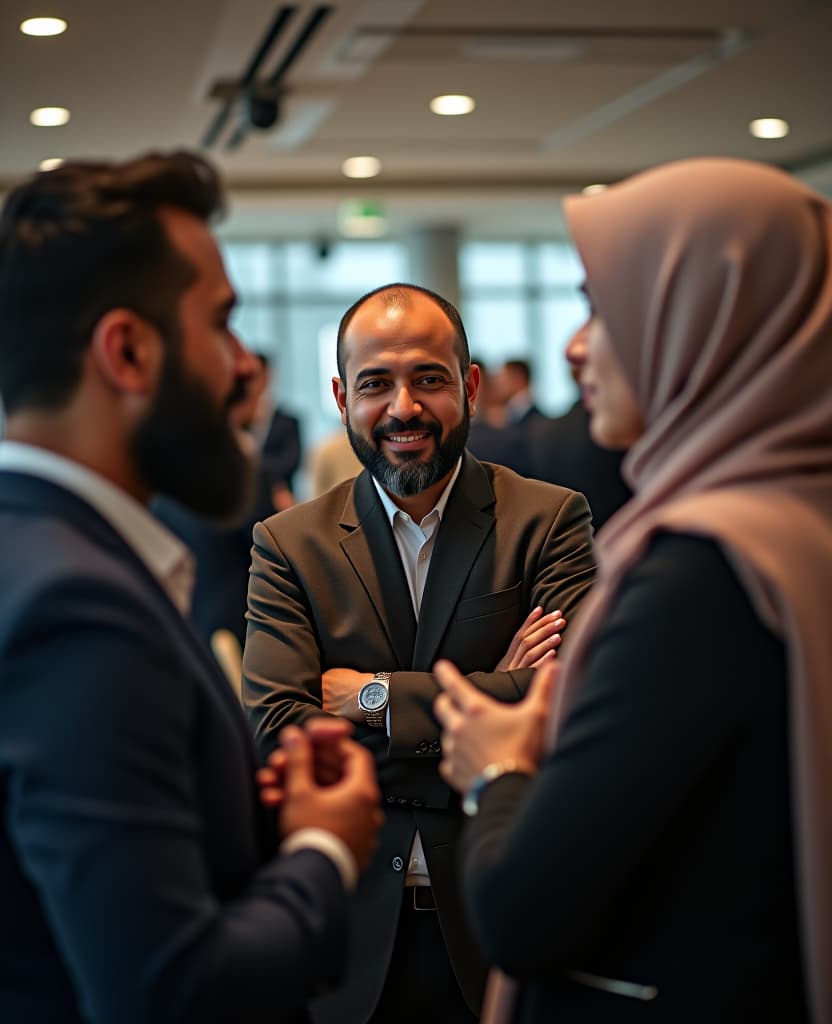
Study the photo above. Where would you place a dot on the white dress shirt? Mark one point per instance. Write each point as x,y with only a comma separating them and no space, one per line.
415,542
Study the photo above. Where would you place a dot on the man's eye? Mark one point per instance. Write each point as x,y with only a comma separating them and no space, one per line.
371,385
431,381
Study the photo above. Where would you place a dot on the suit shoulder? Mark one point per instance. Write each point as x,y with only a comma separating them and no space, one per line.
310,516
511,488
58,573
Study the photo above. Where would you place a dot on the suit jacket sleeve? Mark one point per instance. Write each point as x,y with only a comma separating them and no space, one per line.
110,820
656,713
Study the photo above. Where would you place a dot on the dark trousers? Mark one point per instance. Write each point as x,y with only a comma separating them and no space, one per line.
420,985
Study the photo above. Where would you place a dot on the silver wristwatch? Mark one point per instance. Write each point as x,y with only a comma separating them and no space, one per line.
373,698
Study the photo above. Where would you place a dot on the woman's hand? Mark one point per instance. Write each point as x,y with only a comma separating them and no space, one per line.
478,730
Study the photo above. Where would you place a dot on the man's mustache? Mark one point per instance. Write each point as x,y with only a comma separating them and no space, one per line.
395,426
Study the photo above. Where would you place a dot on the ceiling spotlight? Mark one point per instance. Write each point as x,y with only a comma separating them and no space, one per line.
49,117
769,128
361,167
50,163
452,105
593,190
43,26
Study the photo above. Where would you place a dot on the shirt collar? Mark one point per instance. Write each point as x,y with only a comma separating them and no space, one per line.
163,554
392,509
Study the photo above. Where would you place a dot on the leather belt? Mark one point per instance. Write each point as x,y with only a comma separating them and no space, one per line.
422,897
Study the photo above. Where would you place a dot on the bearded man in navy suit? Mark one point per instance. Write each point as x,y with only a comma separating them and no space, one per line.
140,879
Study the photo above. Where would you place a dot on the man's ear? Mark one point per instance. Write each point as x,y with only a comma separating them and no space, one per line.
472,386
339,390
127,351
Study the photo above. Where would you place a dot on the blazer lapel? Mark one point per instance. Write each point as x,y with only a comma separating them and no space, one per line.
467,522
371,549
34,496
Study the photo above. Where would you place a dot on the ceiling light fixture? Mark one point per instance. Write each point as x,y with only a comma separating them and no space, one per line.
49,117
361,167
593,190
43,26
50,163
452,105
769,128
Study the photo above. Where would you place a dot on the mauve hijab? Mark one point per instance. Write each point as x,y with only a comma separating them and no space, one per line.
714,280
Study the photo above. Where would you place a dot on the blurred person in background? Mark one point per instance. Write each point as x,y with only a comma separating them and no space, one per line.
513,387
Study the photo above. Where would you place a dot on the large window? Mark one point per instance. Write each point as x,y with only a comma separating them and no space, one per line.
521,300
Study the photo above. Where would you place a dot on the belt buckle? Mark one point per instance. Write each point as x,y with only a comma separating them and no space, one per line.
425,901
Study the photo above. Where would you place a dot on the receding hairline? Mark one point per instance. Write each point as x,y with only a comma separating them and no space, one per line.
403,296
399,298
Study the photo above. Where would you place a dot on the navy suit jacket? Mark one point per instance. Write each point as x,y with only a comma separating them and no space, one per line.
138,876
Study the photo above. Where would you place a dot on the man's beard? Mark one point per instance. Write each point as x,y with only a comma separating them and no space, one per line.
185,446
411,476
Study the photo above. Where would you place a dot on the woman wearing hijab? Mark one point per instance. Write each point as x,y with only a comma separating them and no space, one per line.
661,850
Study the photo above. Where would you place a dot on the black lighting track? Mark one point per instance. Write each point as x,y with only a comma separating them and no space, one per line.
248,80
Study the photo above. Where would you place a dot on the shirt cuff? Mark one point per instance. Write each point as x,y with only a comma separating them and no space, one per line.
330,846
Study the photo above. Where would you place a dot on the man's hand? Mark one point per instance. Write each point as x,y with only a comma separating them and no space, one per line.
348,807
477,730
535,642
339,690
325,735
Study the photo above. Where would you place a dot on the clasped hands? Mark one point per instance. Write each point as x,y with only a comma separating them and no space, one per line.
320,778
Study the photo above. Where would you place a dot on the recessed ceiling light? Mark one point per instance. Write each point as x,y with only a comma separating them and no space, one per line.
361,167
51,163
592,190
452,105
769,128
49,117
43,26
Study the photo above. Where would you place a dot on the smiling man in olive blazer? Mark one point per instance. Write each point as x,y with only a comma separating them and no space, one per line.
340,591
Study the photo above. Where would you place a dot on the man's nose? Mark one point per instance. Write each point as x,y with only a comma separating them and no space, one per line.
403,406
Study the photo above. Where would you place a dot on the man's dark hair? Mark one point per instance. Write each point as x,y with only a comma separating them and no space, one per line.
400,294
521,367
78,241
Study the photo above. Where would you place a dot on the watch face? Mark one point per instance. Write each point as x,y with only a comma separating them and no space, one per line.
373,696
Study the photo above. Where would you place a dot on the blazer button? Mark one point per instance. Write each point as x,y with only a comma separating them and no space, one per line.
423,747
434,746
397,863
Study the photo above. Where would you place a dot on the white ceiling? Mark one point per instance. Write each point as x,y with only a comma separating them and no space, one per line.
568,93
